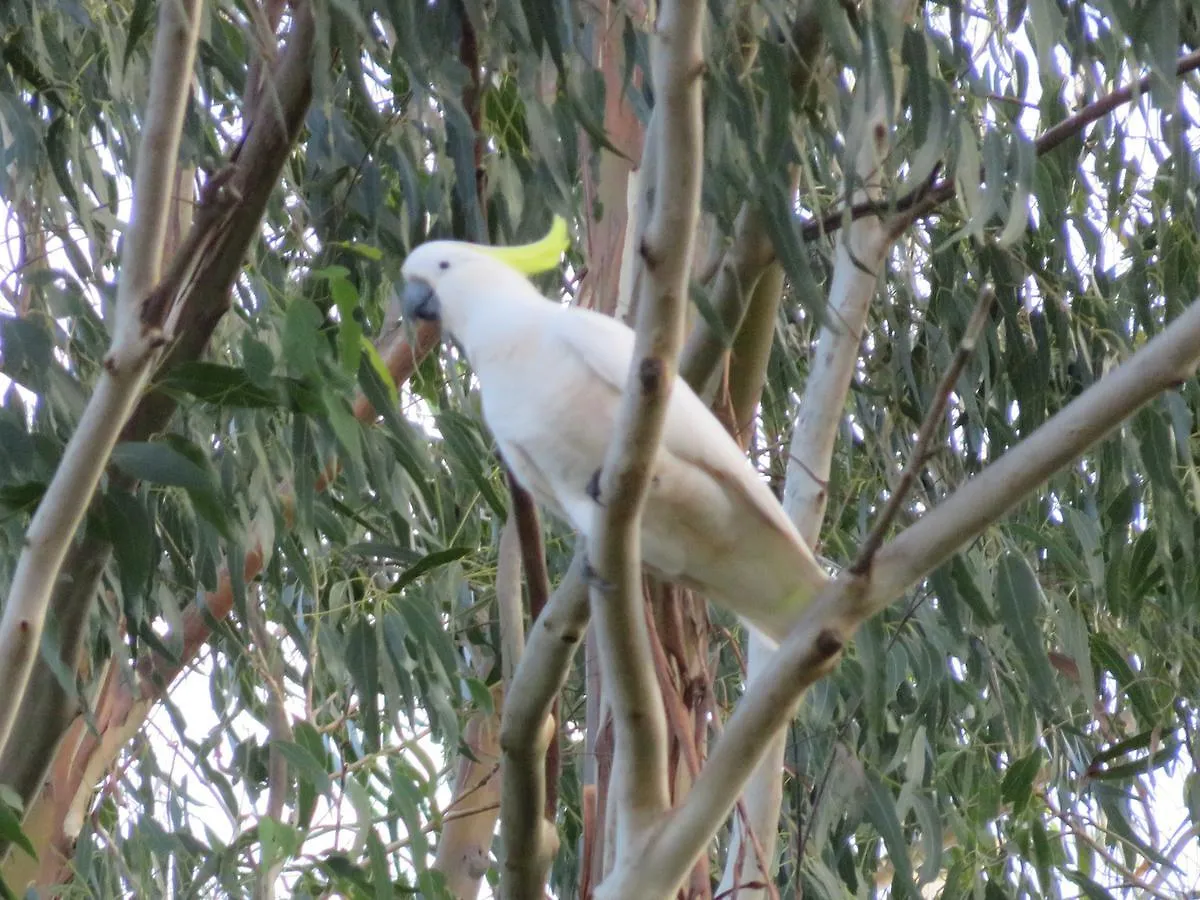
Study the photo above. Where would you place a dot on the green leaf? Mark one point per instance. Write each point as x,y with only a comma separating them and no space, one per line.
366,251
307,766
139,22
1022,606
226,385
1090,889
1168,752
159,463
280,842
131,532
347,428
1107,657
1017,786
429,563
23,497
481,696
362,661
881,810
380,874
350,333
1021,181
379,367
300,328
10,823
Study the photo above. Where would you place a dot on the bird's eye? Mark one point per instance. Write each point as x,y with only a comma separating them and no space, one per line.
443,265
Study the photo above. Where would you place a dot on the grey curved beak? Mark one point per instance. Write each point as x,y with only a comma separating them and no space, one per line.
420,301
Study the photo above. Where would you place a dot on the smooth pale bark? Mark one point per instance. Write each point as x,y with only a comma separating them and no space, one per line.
136,341
664,257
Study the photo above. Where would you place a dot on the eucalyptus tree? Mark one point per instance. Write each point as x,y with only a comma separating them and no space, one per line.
275,617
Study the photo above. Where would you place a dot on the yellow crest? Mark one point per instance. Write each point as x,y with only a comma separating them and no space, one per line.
540,256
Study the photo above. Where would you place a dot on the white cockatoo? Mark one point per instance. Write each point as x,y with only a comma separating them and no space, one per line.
551,378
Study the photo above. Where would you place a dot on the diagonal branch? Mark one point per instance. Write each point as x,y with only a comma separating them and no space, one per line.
924,445
927,198
665,251
1162,363
135,346
813,647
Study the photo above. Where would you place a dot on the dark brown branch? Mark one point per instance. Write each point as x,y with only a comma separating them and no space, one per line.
533,554
537,578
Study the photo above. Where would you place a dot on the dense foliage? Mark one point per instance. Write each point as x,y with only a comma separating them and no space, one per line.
1022,725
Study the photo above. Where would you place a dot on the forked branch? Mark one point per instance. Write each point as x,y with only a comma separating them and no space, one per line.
135,347
664,263
526,730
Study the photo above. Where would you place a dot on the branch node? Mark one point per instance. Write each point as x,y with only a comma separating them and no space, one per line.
154,307
647,253
593,487
212,191
861,567
650,374
829,643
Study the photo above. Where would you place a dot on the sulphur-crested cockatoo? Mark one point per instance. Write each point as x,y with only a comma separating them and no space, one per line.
551,377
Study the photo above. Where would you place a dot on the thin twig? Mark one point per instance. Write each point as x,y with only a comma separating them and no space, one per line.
923,200
925,435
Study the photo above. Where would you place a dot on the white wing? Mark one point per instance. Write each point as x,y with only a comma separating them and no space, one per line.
710,522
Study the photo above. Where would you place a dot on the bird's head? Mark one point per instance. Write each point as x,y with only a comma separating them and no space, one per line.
444,279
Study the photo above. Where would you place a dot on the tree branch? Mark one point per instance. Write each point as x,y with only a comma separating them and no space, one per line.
526,731
923,447
1164,362
860,255
814,645
615,550
135,346
751,352
510,611
925,199
528,524
466,834
742,266
200,278
533,554
751,251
